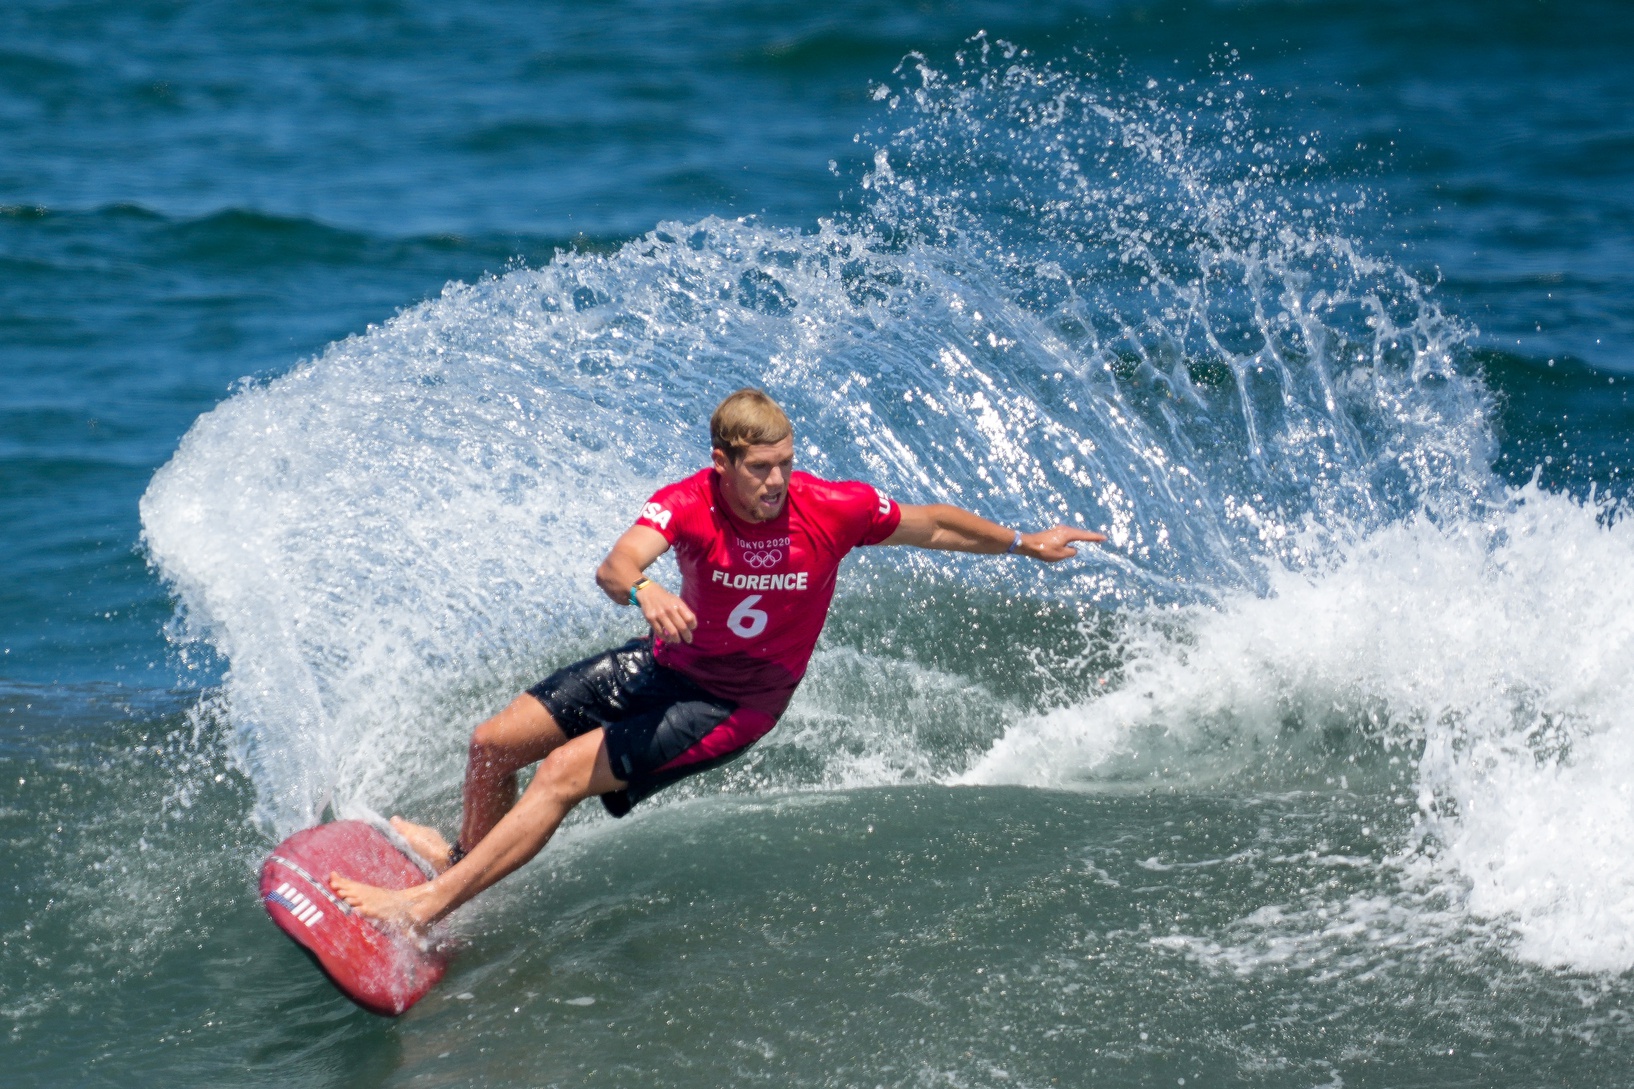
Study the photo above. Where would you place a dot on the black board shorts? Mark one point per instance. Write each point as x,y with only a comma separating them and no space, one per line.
655,719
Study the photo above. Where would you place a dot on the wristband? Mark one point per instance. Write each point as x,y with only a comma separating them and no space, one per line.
635,588
1015,544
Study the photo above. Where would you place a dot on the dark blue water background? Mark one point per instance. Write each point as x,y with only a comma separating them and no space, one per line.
196,194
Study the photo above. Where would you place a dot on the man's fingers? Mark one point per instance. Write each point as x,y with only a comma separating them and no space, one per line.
669,617
1063,534
660,624
674,622
1053,544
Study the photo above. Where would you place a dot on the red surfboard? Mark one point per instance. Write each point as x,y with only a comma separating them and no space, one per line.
383,973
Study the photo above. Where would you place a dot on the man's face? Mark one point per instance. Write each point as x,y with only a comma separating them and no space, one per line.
757,483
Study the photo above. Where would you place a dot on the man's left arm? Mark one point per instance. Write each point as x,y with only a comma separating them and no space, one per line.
952,529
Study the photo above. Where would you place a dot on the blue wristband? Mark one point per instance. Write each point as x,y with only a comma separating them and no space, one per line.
635,588
1015,544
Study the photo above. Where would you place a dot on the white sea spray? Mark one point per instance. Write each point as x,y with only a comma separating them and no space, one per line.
1135,324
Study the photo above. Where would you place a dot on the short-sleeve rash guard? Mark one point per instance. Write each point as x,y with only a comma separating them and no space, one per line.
760,590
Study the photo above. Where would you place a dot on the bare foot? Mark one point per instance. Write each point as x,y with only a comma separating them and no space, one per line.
427,842
391,908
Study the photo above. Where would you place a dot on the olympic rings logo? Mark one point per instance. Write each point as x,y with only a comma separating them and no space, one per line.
761,560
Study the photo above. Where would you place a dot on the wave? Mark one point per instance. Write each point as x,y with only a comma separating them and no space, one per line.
245,238
1472,673
1072,296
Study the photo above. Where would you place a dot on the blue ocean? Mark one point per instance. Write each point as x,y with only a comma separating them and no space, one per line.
340,340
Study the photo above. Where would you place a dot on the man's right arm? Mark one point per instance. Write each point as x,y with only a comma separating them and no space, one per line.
632,554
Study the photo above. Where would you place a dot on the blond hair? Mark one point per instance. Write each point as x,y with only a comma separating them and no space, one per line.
747,418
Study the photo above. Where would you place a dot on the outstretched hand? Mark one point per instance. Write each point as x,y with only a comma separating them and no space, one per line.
1054,544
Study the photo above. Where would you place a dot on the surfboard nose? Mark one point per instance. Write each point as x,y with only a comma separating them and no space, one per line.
381,972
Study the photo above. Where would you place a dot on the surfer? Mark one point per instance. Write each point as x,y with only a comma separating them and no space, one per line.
758,545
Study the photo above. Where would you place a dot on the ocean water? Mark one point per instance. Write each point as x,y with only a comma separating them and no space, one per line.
340,340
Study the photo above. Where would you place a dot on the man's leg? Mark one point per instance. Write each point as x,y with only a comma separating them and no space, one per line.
523,733
571,773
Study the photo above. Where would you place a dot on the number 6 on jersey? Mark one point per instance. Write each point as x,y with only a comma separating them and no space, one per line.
746,620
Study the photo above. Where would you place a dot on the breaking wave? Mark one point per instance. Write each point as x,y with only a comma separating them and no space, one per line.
1070,295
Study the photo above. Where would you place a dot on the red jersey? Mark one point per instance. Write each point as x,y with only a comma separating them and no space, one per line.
760,590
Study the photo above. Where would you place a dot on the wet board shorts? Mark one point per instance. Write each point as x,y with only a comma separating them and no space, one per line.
660,725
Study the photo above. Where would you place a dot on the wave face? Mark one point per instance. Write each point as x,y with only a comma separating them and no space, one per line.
1071,297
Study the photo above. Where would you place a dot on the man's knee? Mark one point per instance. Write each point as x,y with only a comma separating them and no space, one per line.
516,737
487,751
488,738
565,775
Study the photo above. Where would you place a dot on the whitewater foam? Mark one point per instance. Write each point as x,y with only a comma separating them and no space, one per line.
1066,301
1488,657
